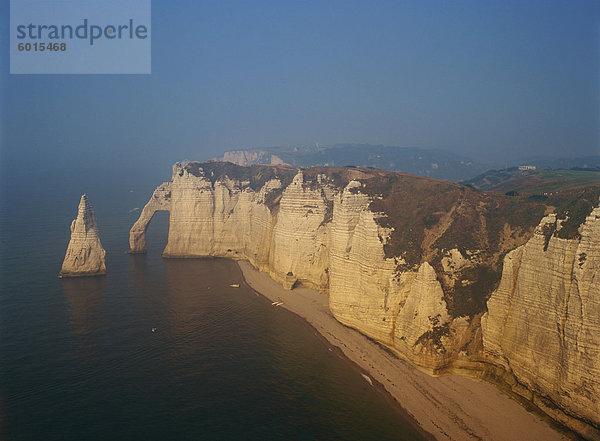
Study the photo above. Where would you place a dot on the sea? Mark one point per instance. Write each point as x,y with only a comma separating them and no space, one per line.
79,360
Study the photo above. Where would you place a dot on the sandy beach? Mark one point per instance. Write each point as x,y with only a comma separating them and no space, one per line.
448,408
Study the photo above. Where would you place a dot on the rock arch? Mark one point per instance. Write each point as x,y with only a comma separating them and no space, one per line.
160,201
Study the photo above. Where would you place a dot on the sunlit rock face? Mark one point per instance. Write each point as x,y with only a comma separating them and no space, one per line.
365,291
300,237
85,255
307,228
543,321
221,220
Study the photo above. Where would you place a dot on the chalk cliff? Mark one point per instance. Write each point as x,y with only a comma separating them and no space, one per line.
251,157
85,255
543,321
411,263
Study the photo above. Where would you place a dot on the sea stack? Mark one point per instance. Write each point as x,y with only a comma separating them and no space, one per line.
85,255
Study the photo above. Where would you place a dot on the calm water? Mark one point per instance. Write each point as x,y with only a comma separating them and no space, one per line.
78,360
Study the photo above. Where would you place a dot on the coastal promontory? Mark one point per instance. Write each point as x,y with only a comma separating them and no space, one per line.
497,286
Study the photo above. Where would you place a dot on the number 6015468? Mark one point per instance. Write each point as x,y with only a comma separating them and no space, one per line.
41,47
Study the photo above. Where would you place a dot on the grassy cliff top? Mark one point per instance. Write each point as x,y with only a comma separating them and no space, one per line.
534,181
432,212
256,175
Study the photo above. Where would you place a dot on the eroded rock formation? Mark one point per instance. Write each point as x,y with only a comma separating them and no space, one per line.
85,255
160,200
543,321
345,233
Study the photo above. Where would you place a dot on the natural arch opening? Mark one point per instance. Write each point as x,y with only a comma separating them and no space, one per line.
159,202
157,232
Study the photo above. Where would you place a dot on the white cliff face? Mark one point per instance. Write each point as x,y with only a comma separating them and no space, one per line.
543,321
300,242
364,292
85,255
225,221
404,310
424,314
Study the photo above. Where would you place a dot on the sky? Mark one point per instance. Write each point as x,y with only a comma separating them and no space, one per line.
494,79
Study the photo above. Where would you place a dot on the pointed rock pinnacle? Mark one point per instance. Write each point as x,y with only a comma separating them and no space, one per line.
85,255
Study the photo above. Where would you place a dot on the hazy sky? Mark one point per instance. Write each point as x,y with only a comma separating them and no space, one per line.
504,77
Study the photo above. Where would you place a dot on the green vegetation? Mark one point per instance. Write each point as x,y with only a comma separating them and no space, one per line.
576,210
491,178
411,205
469,296
538,197
534,182
328,213
273,197
522,214
430,220
338,177
554,180
256,175
435,335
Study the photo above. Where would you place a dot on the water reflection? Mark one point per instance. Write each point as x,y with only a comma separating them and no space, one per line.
85,299
85,296
191,316
138,267
199,295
